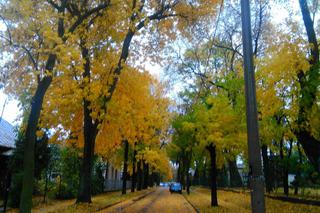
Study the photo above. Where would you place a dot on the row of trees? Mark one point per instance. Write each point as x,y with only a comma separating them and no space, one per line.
130,140
65,62
210,125
68,64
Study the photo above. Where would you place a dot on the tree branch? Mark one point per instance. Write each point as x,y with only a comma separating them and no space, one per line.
53,4
81,18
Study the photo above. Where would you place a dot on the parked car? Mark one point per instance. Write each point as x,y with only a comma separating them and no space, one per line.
175,187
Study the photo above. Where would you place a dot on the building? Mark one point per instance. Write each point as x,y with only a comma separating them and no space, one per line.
113,178
7,144
7,137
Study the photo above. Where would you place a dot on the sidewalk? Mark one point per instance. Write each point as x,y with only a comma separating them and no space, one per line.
98,202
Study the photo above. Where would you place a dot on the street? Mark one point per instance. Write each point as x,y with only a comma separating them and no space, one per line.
159,201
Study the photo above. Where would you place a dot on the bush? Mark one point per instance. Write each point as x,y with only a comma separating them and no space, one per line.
15,190
67,183
97,177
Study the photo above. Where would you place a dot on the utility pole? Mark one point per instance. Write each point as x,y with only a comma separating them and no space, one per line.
256,178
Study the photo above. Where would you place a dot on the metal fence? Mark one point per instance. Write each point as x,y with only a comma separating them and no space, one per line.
114,185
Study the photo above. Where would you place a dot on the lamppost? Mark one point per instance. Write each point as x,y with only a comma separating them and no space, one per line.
256,178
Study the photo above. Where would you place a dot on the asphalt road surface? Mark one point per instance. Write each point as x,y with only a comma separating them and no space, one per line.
159,201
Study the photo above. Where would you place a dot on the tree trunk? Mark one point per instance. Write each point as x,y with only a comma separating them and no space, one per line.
106,174
266,168
46,185
298,175
285,182
196,176
36,104
308,23
134,175
140,176
184,171
90,128
309,89
90,133
284,170
188,181
151,179
157,180
287,168
179,170
7,185
125,167
235,178
30,138
148,176
32,125
188,162
59,190
145,175
213,173
203,177
311,147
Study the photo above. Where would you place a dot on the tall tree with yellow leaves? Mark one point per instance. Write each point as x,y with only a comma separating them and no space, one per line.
83,23
141,15
36,37
211,124
137,113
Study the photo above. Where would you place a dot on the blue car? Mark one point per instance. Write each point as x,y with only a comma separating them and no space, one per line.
175,187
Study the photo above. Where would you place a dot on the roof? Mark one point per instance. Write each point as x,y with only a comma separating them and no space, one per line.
7,135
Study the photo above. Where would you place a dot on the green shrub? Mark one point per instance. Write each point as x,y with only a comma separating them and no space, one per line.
70,163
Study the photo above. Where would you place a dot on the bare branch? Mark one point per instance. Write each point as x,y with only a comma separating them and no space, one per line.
228,48
8,29
11,43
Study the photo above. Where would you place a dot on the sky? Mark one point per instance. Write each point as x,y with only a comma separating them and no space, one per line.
9,107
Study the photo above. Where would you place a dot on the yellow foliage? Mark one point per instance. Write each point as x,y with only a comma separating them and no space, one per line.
157,160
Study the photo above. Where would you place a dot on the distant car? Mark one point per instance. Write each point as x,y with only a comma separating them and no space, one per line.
164,184
175,187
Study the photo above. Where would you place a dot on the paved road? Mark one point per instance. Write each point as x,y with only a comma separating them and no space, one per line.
159,201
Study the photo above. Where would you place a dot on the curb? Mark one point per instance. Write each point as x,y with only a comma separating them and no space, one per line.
295,200
134,199
142,196
281,198
193,206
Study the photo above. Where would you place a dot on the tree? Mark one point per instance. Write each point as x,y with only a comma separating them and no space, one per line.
219,131
38,45
309,82
96,104
180,149
41,161
134,20
205,127
137,113
125,167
